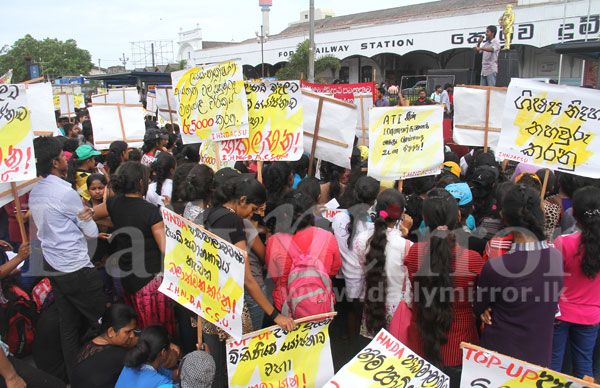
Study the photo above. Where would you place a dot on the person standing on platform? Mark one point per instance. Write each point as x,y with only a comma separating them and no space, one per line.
489,62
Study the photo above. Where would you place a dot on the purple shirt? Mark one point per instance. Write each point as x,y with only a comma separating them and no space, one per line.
523,288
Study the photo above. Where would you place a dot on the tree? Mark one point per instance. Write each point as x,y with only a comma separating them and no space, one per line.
57,58
298,63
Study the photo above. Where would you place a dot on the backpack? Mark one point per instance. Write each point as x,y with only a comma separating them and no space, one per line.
309,288
18,321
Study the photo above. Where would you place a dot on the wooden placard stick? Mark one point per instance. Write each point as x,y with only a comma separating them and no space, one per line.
328,99
199,329
326,140
121,121
19,215
478,128
33,81
544,187
170,110
362,119
217,155
375,74
487,121
483,87
69,107
313,148
319,317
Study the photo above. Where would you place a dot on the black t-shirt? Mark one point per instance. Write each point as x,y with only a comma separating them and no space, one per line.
227,225
136,213
426,101
99,366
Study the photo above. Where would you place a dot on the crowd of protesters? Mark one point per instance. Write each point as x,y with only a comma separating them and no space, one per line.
476,254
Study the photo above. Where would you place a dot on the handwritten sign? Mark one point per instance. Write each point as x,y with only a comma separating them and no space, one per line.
405,142
204,273
486,369
386,362
346,92
212,103
209,156
330,213
552,126
117,122
274,358
275,115
16,135
470,112
337,125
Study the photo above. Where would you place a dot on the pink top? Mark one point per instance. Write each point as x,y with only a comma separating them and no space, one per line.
580,299
312,240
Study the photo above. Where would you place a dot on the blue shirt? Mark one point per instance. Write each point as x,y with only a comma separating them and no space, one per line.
54,206
145,377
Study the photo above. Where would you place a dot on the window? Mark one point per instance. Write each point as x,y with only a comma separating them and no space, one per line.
366,74
344,74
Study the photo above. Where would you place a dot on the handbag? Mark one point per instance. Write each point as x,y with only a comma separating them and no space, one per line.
403,314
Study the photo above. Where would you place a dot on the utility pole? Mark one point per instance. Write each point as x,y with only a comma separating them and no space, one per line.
124,61
152,47
311,49
262,39
99,67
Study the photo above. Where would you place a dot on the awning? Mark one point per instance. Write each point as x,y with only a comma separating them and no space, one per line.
133,78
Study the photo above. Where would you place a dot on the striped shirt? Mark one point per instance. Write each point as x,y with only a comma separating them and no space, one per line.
467,265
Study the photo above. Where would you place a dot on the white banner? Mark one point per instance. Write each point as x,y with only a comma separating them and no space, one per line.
167,104
387,362
276,358
123,96
552,126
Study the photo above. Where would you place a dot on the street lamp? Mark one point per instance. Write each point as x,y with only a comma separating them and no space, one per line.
262,39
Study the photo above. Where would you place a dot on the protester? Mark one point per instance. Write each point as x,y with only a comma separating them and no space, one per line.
303,247
443,275
423,100
77,286
382,251
331,185
489,62
197,370
81,166
101,360
437,94
148,363
140,235
161,189
152,143
518,292
579,308
117,155
233,200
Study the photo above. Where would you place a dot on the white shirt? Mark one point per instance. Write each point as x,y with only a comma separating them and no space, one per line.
352,266
445,99
395,253
54,206
166,189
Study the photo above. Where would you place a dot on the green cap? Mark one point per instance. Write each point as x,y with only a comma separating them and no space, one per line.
85,151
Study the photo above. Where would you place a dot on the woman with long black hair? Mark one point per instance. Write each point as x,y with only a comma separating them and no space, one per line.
579,306
117,155
382,250
443,275
162,187
518,292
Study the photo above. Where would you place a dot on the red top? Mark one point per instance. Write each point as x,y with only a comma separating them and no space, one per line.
311,240
14,232
580,300
497,246
467,266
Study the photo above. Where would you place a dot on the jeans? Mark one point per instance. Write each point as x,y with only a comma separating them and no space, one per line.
257,314
79,297
582,339
488,80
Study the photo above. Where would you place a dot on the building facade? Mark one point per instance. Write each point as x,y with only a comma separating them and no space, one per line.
411,40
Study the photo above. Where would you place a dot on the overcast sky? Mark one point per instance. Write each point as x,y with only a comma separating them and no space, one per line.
106,28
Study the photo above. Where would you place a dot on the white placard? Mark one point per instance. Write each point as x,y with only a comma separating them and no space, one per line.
106,125
41,105
469,111
123,96
338,123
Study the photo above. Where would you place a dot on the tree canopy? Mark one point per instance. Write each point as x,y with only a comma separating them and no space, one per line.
57,58
298,63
